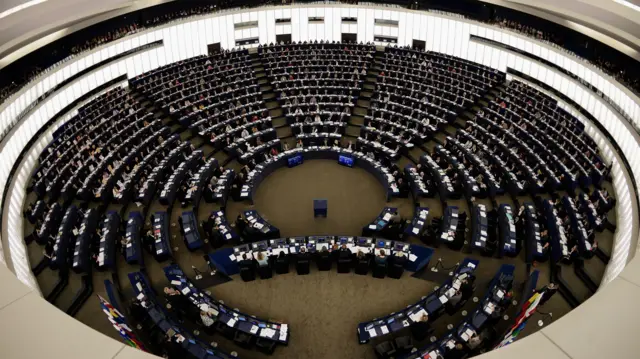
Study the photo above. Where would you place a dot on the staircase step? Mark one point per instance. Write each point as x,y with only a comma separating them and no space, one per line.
276,112
366,94
262,80
360,111
279,121
272,105
353,131
356,120
369,86
363,103
269,96
284,132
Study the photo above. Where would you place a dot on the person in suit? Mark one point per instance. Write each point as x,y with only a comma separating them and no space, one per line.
421,328
466,289
457,352
344,252
241,225
179,303
303,255
246,263
216,236
547,292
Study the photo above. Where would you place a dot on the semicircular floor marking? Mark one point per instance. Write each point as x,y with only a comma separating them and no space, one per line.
354,196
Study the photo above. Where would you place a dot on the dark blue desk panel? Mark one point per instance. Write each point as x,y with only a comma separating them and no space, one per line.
380,223
268,230
480,227
50,224
449,225
162,320
250,325
264,169
82,249
507,231
60,257
432,305
133,247
418,223
108,241
161,245
190,232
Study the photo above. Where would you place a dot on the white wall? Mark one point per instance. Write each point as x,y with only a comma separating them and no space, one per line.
448,35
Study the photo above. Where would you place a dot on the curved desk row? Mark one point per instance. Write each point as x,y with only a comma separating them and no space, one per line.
418,223
61,247
234,319
534,246
227,259
218,229
494,301
165,323
380,224
81,257
171,189
507,232
343,156
417,186
431,305
198,182
109,234
149,161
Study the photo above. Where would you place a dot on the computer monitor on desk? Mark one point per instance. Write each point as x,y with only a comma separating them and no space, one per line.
311,245
401,247
261,246
383,244
323,241
295,243
278,245
240,250
365,244
348,241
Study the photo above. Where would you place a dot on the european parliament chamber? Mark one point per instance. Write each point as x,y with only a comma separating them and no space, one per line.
322,180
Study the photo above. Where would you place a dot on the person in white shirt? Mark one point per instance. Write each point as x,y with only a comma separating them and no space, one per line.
262,259
244,133
206,319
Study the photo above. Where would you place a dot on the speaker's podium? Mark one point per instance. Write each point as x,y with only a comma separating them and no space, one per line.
320,208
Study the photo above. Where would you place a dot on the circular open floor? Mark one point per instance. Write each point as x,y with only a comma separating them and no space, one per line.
354,196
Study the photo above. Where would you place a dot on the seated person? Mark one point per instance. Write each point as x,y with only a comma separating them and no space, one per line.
344,252
421,328
381,258
262,259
